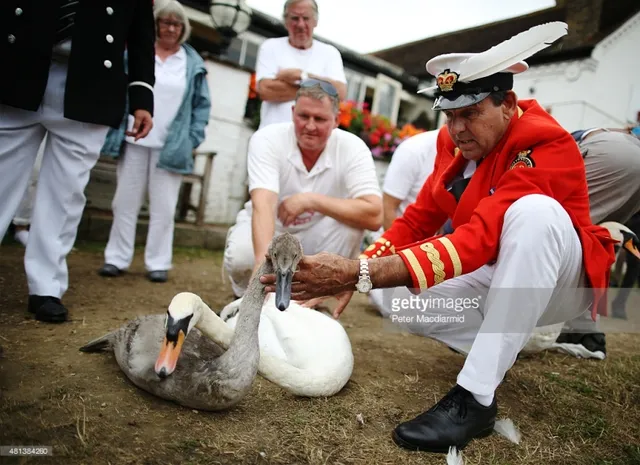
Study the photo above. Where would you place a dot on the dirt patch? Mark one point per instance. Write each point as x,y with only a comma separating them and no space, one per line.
569,411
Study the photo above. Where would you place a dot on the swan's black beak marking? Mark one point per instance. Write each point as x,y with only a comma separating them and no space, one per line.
175,326
631,243
163,373
283,289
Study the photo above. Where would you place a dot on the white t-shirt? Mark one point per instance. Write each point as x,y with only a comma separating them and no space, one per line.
412,163
344,170
168,92
275,54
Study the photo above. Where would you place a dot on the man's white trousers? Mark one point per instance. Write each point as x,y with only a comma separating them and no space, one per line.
25,210
71,150
490,313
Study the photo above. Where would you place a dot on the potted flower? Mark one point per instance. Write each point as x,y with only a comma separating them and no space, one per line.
380,135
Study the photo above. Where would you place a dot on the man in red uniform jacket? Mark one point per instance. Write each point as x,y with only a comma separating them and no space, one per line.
523,252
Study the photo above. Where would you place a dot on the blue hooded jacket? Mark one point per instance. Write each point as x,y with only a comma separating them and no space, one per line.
186,132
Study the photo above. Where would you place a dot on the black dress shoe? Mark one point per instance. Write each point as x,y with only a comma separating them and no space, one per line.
454,421
48,309
593,342
109,271
158,276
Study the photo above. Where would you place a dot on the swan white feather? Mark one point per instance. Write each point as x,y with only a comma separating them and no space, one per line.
301,349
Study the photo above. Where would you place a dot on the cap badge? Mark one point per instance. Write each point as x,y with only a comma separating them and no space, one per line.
447,79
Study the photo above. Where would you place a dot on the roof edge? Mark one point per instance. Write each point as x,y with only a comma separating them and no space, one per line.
467,30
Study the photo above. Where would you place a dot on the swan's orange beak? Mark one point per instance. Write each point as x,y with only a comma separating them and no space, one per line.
631,247
168,358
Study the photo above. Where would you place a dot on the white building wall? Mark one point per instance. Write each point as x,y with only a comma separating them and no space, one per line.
228,135
603,90
619,71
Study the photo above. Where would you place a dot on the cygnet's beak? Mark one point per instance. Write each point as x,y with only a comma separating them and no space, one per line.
169,353
283,288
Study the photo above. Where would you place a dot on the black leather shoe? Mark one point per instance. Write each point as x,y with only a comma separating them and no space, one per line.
454,421
158,276
109,271
48,309
593,342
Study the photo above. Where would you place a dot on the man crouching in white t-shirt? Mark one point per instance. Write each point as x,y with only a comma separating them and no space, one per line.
309,178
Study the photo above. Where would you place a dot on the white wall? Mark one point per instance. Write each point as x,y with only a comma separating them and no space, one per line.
603,90
564,89
227,135
619,71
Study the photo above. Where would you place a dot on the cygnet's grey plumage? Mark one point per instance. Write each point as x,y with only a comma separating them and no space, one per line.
206,376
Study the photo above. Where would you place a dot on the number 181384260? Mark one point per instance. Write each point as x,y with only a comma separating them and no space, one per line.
24,451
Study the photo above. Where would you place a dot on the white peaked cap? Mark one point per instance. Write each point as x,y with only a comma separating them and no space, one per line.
464,79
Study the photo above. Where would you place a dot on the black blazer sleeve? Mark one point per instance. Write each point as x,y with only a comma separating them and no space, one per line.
141,57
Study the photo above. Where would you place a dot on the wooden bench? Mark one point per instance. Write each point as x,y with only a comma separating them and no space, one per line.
188,180
103,182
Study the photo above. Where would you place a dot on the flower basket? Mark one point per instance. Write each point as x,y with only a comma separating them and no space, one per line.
376,131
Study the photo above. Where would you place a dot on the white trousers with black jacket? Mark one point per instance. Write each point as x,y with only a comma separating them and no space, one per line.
71,150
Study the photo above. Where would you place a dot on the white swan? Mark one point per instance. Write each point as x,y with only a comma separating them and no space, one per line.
544,337
301,349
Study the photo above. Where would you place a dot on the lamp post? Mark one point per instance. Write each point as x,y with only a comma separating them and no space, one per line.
230,18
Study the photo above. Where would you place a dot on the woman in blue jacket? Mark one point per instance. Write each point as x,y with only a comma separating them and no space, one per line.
156,163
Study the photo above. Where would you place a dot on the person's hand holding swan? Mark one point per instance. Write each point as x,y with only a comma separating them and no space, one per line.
319,277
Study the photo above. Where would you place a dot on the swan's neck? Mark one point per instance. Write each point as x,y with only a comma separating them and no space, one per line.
279,371
245,336
213,327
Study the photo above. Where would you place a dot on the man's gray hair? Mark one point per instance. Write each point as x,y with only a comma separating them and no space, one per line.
288,3
173,7
316,92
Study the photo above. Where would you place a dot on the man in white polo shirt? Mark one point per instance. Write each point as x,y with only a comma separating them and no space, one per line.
284,62
309,178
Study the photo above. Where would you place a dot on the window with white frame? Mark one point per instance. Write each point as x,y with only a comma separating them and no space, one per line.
354,82
386,99
234,52
243,50
382,93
